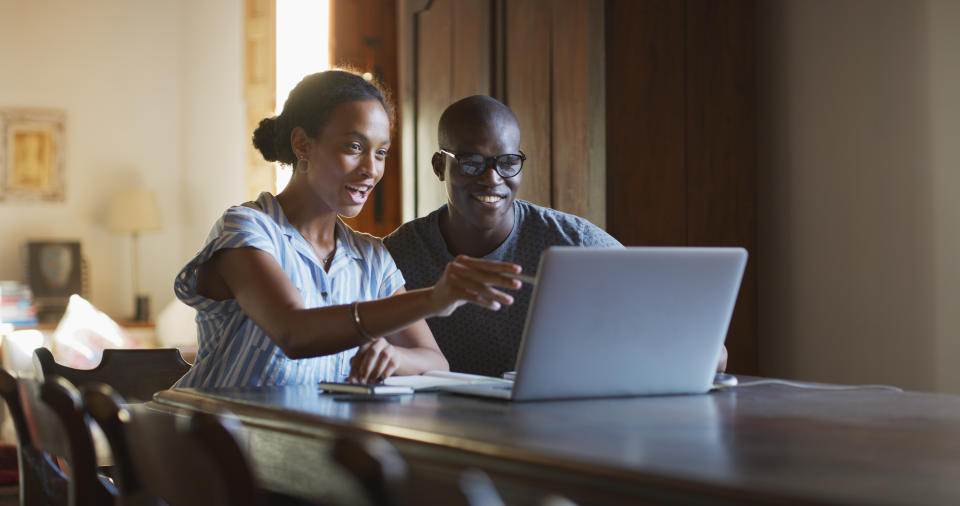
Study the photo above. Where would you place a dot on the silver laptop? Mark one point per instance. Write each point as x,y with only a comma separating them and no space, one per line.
627,321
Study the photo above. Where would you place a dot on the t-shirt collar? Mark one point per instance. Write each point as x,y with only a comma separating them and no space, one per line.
435,218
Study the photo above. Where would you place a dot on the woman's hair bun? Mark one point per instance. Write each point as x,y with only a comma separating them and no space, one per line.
264,138
309,106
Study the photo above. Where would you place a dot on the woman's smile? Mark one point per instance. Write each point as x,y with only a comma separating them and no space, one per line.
358,192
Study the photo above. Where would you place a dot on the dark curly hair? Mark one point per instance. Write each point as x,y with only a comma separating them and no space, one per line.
309,106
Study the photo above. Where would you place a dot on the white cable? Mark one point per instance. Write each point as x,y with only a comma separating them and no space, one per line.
814,386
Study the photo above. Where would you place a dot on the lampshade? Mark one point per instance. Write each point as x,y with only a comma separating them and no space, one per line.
133,211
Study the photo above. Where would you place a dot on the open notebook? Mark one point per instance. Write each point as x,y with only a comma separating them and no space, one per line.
436,380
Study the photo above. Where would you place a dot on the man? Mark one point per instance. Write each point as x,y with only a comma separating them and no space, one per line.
480,163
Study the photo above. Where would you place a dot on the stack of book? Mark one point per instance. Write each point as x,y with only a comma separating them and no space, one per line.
16,304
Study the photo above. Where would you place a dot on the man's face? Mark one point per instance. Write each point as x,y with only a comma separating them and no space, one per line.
482,202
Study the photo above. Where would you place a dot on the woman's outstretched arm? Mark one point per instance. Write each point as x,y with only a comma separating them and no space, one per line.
269,298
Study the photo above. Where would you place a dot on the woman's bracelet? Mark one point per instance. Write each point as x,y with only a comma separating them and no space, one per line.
356,321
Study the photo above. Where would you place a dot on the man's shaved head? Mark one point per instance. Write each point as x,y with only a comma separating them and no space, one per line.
477,111
479,210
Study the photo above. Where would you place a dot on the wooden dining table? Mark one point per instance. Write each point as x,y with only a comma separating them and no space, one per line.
760,444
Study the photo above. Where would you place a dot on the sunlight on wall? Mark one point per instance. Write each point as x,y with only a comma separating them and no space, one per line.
303,47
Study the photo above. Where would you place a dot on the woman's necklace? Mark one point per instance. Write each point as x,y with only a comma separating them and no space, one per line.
326,260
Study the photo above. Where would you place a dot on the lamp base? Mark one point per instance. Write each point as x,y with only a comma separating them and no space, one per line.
143,309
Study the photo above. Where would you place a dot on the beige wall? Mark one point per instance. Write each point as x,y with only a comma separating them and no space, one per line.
859,121
152,97
944,107
213,133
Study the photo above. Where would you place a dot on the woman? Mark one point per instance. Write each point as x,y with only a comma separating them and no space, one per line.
278,284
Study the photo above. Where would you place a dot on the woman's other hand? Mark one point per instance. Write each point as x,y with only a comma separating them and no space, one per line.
374,361
473,280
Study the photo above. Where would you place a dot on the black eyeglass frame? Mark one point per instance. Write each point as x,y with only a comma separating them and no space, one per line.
486,163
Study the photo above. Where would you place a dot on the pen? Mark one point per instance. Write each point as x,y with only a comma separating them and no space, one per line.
522,277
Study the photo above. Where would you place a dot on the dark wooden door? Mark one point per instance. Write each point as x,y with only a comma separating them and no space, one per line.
363,35
680,147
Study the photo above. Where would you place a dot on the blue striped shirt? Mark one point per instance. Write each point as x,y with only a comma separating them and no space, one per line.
234,351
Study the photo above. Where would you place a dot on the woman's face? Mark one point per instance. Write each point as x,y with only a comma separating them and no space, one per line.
346,159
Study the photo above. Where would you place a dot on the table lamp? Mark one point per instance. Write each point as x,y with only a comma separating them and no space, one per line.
132,212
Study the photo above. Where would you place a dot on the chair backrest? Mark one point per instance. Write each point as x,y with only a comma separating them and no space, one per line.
386,481
11,394
57,427
135,374
184,460
376,464
41,481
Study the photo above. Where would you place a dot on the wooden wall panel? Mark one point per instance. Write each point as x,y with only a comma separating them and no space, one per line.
450,64
434,80
721,162
528,90
646,190
544,60
470,21
363,35
577,124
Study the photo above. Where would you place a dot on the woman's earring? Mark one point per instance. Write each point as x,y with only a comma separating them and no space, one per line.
303,164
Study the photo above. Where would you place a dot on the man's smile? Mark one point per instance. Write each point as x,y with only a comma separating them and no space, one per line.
488,198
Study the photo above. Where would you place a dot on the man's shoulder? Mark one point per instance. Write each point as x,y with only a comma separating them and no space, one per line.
410,234
418,250
529,209
558,227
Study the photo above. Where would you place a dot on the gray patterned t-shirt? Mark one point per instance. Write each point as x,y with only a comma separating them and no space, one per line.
474,339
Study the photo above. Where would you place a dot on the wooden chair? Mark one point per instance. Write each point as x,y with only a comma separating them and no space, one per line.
135,374
41,481
180,460
378,467
384,477
54,426
477,489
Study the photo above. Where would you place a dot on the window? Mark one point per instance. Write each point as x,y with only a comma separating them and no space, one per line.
303,47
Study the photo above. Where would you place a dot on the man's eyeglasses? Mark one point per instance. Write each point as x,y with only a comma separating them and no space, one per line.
472,164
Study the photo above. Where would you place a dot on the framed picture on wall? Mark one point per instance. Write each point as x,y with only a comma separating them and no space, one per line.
31,154
54,273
